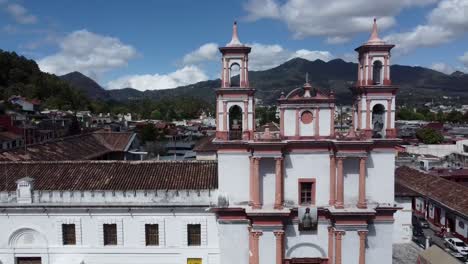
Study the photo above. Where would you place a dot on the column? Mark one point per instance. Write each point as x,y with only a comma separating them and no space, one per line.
281,122
251,180
362,246
359,110
227,80
368,112
224,116
279,183
245,129
340,185
279,234
338,237
362,183
353,116
241,73
330,244
332,121
256,184
297,122
386,79
317,122
331,202
255,246
389,116
247,72
250,245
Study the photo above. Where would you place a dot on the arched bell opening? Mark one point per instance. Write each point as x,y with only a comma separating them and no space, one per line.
377,74
378,121
234,75
235,123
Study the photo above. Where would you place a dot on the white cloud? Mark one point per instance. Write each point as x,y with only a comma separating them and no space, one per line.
206,52
88,53
268,56
335,19
186,75
21,14
442,67
464,59
447,21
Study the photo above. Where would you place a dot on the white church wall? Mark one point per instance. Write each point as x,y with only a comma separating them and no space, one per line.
290,122
233,179
350,247
267,245
380,182
306,244
402,227
351,181
379,243
325,120
309,166
233,236
268,181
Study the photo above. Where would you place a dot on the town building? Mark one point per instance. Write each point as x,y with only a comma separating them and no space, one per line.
301,193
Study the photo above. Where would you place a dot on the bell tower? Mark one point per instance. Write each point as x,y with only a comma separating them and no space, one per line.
235,106
374,93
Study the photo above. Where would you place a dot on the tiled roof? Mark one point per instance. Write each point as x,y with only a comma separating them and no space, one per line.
7,136
79,147
402,191
112,175
451,194
205,144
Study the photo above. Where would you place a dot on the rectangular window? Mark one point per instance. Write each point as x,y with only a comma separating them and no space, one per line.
194,234
307,191
110,234
68,234
152,234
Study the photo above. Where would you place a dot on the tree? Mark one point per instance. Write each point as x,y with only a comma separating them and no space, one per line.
429,136
148,133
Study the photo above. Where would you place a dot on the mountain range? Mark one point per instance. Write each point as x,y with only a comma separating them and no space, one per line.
417,84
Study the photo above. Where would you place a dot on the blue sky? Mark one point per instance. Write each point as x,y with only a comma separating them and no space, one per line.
164,44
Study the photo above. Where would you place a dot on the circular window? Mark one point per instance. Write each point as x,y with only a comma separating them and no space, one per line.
306,117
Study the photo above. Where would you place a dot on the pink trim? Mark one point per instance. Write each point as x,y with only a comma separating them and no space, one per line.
330,244
362,246
362,183
279,234
332,180
312,191
338,237
256,183
317,122
297,123
282,122
247,72
332,121
255,247
246,116
224,116
359,113
251,180
279,184
340,185
251,246
369,70
389,113
241,73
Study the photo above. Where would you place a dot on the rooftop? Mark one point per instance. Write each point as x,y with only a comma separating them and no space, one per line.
111,175
448,193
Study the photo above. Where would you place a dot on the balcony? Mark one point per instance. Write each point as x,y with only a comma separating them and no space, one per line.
267,135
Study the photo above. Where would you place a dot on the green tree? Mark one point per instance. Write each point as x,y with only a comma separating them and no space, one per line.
148,133
429,136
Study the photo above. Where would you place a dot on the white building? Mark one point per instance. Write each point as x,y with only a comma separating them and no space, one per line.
303,194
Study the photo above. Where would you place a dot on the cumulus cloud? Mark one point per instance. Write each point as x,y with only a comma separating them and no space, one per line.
442,67
265,56
464,59
447,21
186,75
206,52
20,14
88,53
335,19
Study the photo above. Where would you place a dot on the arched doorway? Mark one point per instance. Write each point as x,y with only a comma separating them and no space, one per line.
377,74
234,75
235,123
378,114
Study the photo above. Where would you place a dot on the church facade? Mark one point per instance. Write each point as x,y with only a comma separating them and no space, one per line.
306,193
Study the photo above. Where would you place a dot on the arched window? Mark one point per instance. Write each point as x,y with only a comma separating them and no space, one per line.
378,113
377,74
234,75
235,123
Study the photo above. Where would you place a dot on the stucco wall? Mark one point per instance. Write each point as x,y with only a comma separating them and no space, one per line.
379,243
402,227
233,236
306,244
462,231
234,173
381,176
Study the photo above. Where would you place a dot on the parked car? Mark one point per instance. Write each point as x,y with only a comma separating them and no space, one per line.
457,245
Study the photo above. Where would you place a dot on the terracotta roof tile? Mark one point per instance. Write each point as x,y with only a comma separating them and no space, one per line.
112,175
443,191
